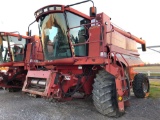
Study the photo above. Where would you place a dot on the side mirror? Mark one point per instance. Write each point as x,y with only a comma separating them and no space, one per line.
143,47
93,11
27,33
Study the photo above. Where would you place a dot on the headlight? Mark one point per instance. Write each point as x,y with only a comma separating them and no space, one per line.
51,8
58,8
45,9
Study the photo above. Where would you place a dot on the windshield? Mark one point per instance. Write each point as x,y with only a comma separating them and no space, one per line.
15,51
17,48
54,36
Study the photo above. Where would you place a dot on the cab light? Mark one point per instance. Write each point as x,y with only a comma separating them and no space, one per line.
40,11
37,13
45,9
51,8
58,8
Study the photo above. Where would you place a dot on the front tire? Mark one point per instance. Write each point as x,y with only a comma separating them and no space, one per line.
141,85
104,94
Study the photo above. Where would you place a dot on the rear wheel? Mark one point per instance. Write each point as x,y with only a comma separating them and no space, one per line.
141,85
104,94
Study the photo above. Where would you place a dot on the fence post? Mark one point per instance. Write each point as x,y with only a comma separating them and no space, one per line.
149,73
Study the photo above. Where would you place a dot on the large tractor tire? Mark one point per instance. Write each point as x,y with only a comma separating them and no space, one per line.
104,94
141,85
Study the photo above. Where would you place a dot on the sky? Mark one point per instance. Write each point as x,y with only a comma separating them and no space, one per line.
139,17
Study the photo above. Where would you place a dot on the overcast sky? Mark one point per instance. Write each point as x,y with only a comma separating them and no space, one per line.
139,17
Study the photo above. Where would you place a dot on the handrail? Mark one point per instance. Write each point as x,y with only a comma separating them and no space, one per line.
87,41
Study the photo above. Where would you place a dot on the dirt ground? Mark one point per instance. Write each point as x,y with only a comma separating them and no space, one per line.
20,106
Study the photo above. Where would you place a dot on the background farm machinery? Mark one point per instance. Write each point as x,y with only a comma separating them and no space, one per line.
14,59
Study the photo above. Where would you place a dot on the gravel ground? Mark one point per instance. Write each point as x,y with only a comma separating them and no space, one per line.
20,106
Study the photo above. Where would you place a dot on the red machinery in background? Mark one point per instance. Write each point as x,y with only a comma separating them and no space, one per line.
86,55
14,60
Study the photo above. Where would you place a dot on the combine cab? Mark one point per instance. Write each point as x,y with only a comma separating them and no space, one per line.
86,55
14,59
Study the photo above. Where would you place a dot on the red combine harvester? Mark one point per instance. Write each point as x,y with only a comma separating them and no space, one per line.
86,55
14,59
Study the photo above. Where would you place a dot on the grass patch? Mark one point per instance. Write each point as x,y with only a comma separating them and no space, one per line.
155,89
148,68
155,74
152,74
